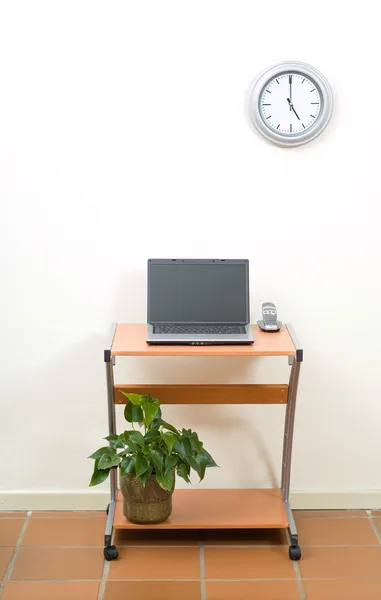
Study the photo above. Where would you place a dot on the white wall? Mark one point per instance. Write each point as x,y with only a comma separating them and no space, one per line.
123,136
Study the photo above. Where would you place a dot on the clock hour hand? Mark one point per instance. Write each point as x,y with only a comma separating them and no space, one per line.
292,108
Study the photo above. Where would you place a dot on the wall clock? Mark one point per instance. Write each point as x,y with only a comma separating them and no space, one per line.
291,103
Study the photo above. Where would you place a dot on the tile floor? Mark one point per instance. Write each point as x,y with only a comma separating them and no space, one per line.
57,556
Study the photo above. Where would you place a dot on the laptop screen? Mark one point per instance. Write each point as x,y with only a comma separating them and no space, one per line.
198,291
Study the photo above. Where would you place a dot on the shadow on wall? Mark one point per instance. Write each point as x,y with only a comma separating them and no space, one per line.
229,431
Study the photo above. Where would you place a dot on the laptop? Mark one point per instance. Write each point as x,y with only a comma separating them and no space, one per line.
198,302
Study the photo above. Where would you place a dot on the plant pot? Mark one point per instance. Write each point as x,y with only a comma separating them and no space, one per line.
145,504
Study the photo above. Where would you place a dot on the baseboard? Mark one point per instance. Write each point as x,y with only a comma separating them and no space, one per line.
98,500
87,500
346,500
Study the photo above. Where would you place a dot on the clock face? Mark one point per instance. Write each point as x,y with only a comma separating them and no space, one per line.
290,103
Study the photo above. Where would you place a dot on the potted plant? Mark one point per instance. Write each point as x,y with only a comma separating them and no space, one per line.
149,461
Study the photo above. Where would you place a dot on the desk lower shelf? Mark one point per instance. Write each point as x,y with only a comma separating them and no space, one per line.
217,509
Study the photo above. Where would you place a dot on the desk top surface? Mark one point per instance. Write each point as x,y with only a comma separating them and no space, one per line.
130,340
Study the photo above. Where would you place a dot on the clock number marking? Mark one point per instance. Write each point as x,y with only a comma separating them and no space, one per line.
313,116
290,127
268,117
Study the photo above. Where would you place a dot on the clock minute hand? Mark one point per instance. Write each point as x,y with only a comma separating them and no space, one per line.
292,108
290,82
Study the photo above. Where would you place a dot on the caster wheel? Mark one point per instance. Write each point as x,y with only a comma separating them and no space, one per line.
107,509
110,553
295,553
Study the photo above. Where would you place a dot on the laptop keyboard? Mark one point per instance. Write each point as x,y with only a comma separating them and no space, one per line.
199,329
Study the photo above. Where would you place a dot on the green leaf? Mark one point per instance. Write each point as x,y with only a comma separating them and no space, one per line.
131,467
157,420
157,460
125,465
146,476
109,460
132,447
170,427
116,441
141,464
98,476
200,462
134,440
133,414
195,442
183,471
183,447
165,481
195,465
151,435
112,438
170,439
136,437
135,399
209,460
100,452
126,452
192,436
150,409
171,462
170,476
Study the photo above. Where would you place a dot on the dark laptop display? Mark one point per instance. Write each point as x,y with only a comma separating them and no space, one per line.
198,293
198,298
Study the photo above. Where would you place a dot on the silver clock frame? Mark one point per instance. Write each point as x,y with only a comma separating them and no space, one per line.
295,139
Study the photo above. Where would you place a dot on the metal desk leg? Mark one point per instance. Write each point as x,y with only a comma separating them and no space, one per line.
289,429
110,551
294,552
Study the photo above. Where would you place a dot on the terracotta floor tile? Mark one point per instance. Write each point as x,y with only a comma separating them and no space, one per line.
9,531
247,563
164,537
336,531
13,515
378,522
58,564
78,514
376,513
64,532
341,562
344,589
5,557
85,590
153,590
156,563
325,514
250,590
245,537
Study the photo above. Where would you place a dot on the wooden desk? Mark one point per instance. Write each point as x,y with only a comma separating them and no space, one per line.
198,508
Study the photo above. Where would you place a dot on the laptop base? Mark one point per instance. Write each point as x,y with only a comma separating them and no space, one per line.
193,340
